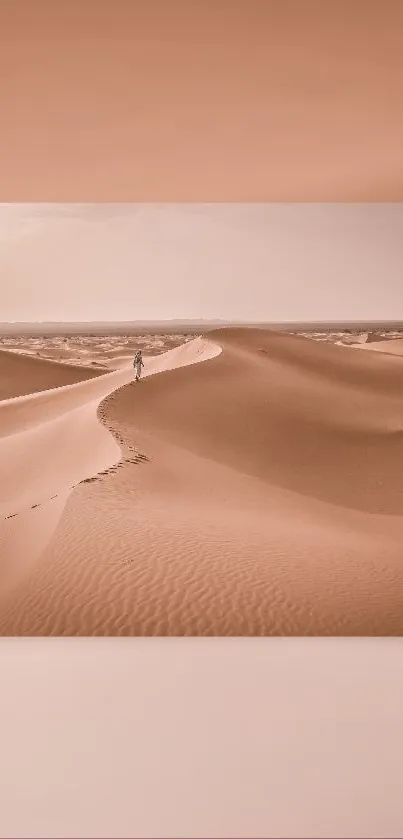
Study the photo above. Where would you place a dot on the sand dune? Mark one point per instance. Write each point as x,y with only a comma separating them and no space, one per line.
20,374
257,493
392,347
50,441
88,351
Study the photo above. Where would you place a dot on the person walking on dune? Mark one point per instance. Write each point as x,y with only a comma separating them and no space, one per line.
138,363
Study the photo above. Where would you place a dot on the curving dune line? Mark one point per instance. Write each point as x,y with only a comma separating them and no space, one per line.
393,346
258,494
24,374
52,440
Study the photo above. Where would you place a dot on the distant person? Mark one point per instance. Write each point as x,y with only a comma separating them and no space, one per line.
138,363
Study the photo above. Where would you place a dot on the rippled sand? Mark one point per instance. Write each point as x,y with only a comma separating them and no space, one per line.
251,484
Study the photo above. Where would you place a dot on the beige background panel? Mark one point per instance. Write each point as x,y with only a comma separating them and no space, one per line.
229,100
218,738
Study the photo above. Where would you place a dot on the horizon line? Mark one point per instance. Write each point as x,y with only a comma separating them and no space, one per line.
200,320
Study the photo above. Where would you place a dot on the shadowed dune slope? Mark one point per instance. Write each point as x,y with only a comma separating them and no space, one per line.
257,493
321,420
23,374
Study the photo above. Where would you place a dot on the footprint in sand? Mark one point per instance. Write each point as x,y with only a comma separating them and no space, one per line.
139,458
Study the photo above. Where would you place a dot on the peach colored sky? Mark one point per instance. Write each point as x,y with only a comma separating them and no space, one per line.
201,100
228,261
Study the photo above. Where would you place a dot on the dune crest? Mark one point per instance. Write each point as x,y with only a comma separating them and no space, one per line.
25,374
52,440
391,347
259,493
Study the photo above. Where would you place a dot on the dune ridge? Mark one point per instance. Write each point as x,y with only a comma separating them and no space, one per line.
51,440
21,374
393,346
259,493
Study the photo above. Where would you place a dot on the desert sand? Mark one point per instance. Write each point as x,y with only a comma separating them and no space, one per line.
249,484
392,347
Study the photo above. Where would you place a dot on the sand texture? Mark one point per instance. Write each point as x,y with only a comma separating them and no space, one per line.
250,484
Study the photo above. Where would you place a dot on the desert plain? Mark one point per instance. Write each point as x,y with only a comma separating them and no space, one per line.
250,484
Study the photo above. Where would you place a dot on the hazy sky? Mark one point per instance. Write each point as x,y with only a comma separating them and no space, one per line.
201,100
227,261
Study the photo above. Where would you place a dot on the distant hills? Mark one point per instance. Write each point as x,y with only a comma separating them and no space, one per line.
42,328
